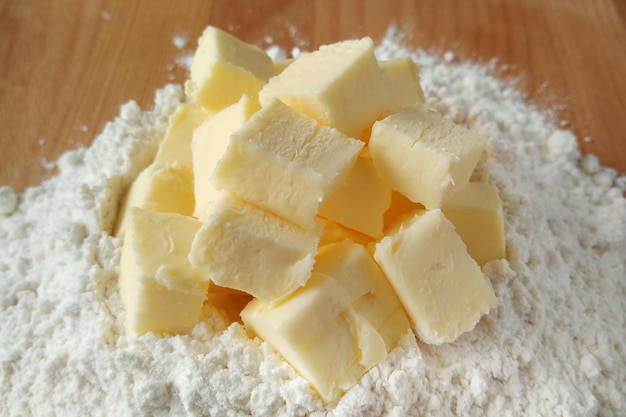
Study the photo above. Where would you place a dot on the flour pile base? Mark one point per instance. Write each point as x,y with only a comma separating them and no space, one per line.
554,346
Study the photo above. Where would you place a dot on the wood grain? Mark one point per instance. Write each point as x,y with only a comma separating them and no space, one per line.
67,66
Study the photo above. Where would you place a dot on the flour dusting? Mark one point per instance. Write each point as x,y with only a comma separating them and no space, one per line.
554,345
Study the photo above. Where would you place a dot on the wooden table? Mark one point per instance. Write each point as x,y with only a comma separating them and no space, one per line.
66,66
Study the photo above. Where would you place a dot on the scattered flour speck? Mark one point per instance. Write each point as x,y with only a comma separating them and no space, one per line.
185,61
276,53
180,41
8,200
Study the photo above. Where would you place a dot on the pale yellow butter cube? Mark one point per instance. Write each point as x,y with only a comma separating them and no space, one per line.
159,188
327,342
161,291
441,287
369,292
175,148
403,83
285,162
340,85
360,202
224,68
476,212
167,184
249,249
209,143
423,155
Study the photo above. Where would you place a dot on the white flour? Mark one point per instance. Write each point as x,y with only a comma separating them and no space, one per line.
555,345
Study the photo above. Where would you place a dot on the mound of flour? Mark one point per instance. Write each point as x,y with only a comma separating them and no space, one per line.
555,345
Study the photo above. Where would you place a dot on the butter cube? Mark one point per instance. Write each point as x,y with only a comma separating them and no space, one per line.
161,291
167,184
403,84
158,188
369,292
224,68
248,249
476,212
209,143
340,85
441,287
286,163
326,342
340,324
423,155
175,148
360,201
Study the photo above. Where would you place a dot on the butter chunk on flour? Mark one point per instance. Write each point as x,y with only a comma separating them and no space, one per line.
361,201
209,143
424,156
403,84
318,335
242,247
285,162
175,148
159,188
340,85
340,324
224,68
369,291
166,184
161,291
440,285
476,212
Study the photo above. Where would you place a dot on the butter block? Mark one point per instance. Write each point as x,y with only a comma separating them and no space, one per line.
403,83
423,155
476,212
369,292
441,287
249,249
224,68
360,202
158,188
161,291
285,162
340,85
209,143
175,148
327,343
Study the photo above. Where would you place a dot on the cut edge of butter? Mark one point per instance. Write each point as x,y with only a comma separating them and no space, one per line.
224,68
441,287
161,291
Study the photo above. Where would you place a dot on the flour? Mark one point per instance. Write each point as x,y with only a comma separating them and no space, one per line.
8,200
180,41
554,346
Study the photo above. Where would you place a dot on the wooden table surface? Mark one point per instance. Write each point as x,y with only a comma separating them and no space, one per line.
66,66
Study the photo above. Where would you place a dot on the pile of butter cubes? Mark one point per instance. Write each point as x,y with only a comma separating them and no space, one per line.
319,201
